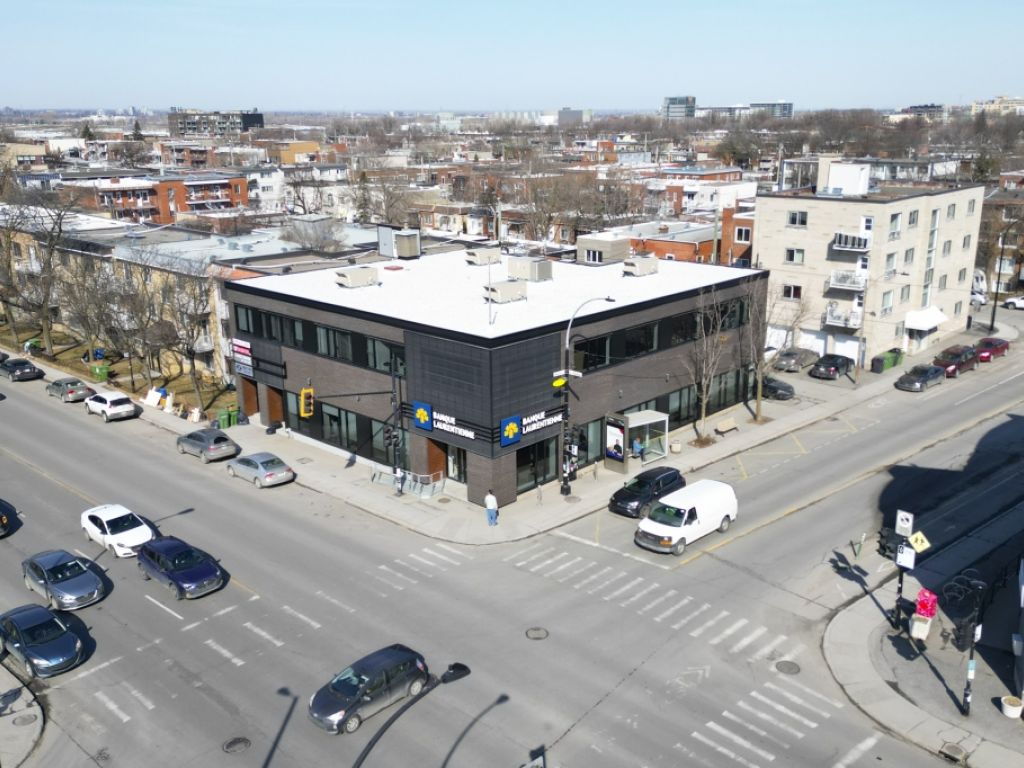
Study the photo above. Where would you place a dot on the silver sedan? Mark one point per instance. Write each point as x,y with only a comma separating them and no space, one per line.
261,469
63,580
69,389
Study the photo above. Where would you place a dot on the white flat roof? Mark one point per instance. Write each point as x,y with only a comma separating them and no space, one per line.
443,291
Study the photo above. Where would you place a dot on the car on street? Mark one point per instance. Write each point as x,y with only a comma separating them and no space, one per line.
958,358
831,367
20,369
261,469
3,356
776,389
187,572
920,377
991,347
1014,302
208,445
116,528
368,686
62,579
793,359
978,299
110,405
6,518
41,644
69,389
634,499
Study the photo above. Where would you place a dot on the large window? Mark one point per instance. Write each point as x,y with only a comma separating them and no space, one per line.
641,340
797,219
381,356
683,328
912,219
592,353
792,292
339,427
742,235
333,343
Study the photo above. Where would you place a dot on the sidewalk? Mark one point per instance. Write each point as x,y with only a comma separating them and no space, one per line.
448,516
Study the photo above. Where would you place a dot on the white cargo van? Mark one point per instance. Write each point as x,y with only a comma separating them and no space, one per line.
683,516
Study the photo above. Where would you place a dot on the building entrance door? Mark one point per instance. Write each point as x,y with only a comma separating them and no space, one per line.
536,464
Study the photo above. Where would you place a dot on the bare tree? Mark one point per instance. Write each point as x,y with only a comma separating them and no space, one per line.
756,328
702,356
189,308
86,291
138,311
325,235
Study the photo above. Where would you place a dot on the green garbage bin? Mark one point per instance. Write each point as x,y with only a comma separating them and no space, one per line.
99,371
222,418
233,416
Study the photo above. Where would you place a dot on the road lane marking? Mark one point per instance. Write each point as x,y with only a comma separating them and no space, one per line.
620,553
622,590
707,624
109,703
744,475
97,668
673,609
336,603
727,631
158,604
424,561
562,567
788,680
393,572
799,445
796,699
740,741
691,616
748,639
638,595
141,648
857,752
592,576
453,550
300,617
138,696
193,625
754,729
263,633
549,561
225,653
223,611
657,601
576,573
770,719
763,653
989,389
782,709
724,750
439,556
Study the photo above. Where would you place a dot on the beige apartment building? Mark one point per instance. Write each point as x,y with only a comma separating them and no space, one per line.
858,269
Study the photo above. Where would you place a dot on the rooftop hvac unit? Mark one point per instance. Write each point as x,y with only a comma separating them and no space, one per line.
636,267
356,278
505,291
407,244
483,257
527,268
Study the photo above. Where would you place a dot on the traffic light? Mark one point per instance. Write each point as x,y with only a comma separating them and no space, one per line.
392,437
306,402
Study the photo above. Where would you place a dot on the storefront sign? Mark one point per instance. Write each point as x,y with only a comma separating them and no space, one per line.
511,430
422,415
242,369
536,421
241,350
447,423
426,418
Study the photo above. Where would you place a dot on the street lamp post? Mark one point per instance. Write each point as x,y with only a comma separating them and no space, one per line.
999,271
567,371
455,671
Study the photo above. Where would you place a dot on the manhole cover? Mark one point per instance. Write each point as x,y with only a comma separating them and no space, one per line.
537,633
572,499
25,719
443,500
237,744
953,752
303,460
787,667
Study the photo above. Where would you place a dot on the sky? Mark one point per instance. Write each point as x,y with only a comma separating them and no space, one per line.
505,55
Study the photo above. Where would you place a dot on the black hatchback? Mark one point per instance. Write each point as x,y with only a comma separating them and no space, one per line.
832,367
367,687
20,369
634,499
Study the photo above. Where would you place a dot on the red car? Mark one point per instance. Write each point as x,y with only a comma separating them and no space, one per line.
956,359
992,347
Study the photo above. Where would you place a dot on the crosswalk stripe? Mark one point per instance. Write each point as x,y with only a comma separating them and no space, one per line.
393,572
795,699
453,550
858,750
740,741
439,556
784,710
794,653
606,582
770,719
709,623
576,573
748,639
658,601
109,703
520,553
592,576
691,616
727,631
809,691
534,556
414,569
761,732
673,609
723,750
562,567
768,648
621,590
399,587
549,561
138,696
638,595
424,560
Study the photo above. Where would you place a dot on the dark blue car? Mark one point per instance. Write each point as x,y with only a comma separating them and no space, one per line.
39,641
186,571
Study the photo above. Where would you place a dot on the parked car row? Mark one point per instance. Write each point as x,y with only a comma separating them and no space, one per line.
950,362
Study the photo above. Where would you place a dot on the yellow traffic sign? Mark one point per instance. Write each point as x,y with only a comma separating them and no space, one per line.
919,542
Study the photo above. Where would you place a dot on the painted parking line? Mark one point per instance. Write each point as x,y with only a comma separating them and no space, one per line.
224,652
158,604
109,703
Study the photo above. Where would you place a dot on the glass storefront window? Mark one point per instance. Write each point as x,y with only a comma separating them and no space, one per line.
536,464
456,468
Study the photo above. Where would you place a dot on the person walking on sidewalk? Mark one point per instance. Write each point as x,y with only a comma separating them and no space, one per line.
491,505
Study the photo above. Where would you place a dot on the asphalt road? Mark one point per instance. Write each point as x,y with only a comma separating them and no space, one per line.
645,660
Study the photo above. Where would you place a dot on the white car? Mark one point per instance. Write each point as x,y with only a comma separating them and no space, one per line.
110,406
1015,302
116,528
978,299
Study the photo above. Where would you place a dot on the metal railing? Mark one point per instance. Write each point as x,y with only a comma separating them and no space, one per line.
845,242
848,279
422,485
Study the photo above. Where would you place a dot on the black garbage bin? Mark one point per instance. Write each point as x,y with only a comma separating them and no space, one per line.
877,364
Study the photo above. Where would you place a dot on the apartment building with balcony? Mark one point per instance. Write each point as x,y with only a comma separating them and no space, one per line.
858,269
197,122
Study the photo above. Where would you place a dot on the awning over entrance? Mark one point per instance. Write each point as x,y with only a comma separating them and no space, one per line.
925,319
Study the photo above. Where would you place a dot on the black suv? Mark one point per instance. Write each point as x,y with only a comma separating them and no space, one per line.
634,499
832,367
365,688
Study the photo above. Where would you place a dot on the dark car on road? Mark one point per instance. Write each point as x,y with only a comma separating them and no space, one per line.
187,572
953,360
39,641
20,369
6,518
64,580
794,358
990,348
69,389
208,444
776,389
831,367
920,377
367,687
634,499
